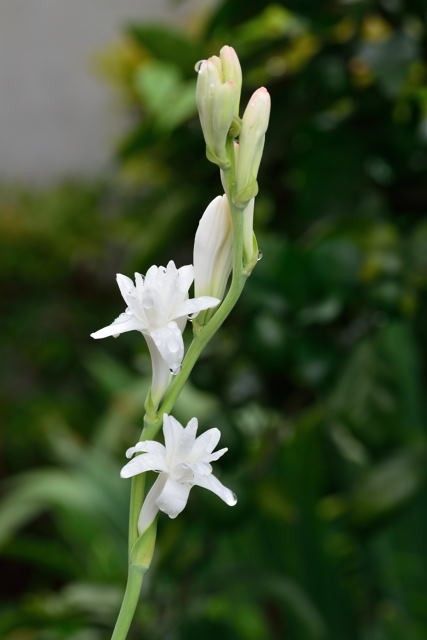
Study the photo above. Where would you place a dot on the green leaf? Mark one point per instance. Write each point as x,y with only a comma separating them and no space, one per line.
33,492
166,97
389,485
167,45
300,604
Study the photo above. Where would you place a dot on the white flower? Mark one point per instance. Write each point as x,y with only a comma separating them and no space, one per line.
182,462
213,246
158,306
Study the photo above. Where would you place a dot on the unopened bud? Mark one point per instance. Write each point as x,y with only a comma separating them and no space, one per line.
213,249
251,145
218,89
232,72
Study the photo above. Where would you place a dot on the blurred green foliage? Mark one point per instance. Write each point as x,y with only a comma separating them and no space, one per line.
318,378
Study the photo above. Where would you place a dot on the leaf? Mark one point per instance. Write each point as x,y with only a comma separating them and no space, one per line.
389,485
166,45
108,372
137,141
301,605
167,98
32,493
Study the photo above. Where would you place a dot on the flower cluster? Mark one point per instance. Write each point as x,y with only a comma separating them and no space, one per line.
218,96
158,305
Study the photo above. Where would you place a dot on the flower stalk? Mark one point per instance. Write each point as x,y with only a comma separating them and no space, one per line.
158,306
153,422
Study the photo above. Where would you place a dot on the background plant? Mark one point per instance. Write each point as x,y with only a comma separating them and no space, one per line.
319,373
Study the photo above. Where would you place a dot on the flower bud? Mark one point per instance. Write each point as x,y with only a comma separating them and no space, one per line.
213,249
232,72
251,145
218,89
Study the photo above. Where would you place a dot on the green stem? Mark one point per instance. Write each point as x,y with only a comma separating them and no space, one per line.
137,488
129,603
135,502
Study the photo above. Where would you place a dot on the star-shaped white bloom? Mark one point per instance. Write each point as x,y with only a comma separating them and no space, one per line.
182,462
158,306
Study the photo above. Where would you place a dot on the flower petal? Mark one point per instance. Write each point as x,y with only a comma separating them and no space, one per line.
151,276
173,432
147,446
187,439
173,498
171,266
139,286
192,426
149,507
217,454
170,344
142,463
194,305
201,469
126,286
212,483
185,277
205,444
161,375
125,322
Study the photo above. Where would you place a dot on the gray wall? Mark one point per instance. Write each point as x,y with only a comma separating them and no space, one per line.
56,117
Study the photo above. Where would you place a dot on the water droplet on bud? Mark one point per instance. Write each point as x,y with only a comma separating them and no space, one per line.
198,65
260,256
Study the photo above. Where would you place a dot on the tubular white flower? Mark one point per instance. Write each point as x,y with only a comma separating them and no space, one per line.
182,462
158,306
213,247
218,90
251,144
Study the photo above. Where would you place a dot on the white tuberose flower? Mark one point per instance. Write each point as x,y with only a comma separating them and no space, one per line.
182,462
158,306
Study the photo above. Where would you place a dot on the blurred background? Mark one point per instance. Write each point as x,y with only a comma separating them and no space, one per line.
318,377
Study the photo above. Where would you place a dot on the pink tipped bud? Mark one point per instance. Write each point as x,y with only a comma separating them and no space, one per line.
251,144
